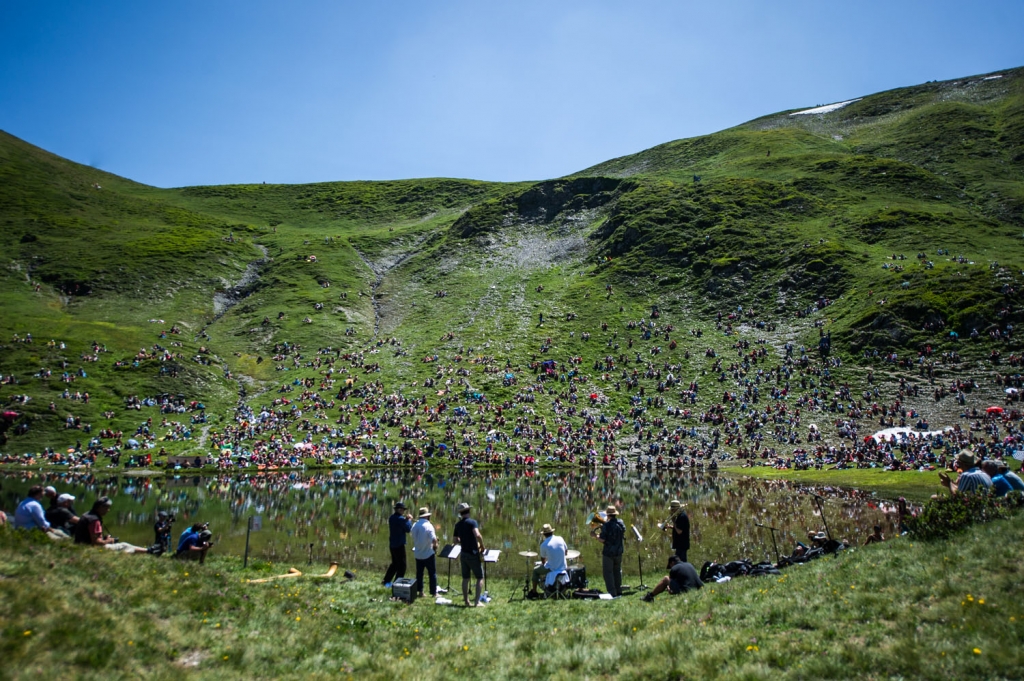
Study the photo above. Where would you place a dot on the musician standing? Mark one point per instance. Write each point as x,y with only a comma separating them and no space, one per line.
467,535
399,525
552,555
613,532
680,524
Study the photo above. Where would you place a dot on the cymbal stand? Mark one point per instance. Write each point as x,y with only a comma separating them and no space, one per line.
526,584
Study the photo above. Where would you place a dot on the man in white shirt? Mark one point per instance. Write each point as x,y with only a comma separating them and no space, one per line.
552,556
424,550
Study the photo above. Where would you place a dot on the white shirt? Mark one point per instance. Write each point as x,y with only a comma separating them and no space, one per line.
552,551
423,538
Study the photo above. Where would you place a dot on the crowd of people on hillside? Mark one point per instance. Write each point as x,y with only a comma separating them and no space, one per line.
753,399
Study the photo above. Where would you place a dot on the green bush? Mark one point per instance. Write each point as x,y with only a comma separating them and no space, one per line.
944,516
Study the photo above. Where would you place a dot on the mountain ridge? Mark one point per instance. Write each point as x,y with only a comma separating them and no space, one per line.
889,222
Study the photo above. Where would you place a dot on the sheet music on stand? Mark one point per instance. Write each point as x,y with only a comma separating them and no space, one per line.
451,551
491,555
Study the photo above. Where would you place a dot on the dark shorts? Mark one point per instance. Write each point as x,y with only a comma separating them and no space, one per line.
471,565
675,587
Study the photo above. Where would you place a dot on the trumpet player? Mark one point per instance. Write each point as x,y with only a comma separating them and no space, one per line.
399,525
612,534
678,524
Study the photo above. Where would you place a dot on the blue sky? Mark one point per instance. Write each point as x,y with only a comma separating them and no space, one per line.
188,93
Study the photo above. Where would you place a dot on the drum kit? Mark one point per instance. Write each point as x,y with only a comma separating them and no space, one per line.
577,573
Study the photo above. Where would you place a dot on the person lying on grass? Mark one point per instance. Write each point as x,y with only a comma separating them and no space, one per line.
681,577
89,530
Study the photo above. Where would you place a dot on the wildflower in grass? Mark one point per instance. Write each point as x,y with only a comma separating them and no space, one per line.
28,632
977,651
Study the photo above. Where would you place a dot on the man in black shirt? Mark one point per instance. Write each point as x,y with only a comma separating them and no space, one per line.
61,515
681,577
612,534
467,535
680,525
399,525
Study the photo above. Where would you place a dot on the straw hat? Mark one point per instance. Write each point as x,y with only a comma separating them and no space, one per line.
424,512
463,507
674,504
611,510
547,529
965,459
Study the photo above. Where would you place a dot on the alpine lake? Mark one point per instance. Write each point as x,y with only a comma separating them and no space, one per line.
341,515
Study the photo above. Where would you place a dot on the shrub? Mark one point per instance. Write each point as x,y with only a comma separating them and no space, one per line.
944,516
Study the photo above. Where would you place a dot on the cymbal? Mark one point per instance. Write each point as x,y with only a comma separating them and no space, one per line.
528,554
572,554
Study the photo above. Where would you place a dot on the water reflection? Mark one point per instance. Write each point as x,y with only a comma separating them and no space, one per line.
343,513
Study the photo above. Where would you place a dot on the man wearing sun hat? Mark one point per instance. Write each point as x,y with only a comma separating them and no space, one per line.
468,537
552,555
399,525
424,550
679,525
613,532
971,480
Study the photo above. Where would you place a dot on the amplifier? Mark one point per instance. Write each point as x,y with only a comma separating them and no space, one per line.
404,589
577,577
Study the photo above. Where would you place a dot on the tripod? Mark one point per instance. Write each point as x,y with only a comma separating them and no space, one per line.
774,545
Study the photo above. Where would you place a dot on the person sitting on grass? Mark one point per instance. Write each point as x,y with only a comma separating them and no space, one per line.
29,514
681,577
875,537
1003,470
89,530
195,545
971,480
62,516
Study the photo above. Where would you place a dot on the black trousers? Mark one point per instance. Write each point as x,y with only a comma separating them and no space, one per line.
430,565
397,567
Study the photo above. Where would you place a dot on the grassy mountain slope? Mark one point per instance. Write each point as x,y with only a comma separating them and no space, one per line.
791,212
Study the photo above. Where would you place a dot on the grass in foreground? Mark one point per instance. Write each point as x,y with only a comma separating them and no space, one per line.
905,608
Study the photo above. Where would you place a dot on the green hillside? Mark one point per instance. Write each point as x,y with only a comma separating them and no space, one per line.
888,222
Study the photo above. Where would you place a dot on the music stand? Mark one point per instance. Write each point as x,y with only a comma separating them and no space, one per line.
639,558
489,556
451,552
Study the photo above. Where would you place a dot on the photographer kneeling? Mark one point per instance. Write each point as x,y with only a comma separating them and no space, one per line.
194,545
89,530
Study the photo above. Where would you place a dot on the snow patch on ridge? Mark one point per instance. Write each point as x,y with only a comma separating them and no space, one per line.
828,108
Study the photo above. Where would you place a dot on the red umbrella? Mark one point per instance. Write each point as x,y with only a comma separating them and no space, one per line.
994,410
